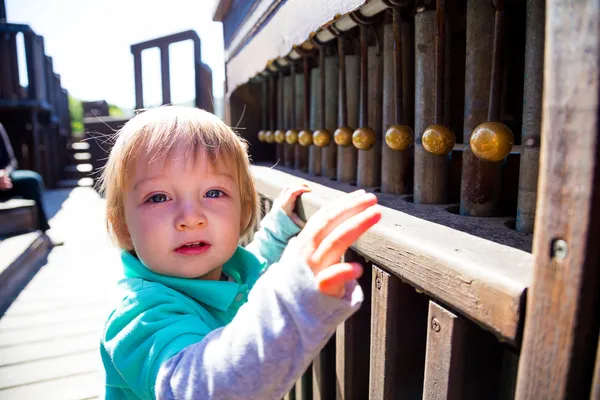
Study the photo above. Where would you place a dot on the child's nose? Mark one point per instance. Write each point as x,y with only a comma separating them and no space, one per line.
191,218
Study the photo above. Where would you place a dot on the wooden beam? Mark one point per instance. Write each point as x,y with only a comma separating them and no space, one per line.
483,280
445,357
398,337
562,324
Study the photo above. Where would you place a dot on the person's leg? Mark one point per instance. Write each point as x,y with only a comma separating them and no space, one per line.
30,185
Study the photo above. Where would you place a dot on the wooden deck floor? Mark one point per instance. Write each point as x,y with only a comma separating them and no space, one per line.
49,336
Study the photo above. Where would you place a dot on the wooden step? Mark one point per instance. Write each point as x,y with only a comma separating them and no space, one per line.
18,216
76,171
78,146
80,157
73,183
22,257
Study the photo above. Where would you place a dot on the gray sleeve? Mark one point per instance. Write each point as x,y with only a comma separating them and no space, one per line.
276,229
269,343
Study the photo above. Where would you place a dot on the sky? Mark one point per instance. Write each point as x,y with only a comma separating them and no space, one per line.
89,41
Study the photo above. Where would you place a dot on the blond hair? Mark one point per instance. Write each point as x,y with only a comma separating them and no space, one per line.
156,133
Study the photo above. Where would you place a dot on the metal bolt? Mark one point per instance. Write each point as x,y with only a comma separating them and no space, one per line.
559,249
435,325
378,283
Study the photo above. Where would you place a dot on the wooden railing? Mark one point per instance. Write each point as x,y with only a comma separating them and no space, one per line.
36,116
442,316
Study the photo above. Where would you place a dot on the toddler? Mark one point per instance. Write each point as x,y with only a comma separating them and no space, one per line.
199,316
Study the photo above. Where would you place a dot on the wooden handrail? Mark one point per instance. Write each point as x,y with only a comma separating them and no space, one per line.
483,280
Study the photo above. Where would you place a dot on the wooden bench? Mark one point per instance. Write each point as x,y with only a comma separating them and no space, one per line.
18,216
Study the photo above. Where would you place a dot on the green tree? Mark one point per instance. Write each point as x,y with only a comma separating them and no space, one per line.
76,110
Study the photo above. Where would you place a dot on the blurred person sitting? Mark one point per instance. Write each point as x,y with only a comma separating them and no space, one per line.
19,183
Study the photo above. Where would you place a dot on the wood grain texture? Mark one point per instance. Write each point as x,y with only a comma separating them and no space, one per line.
398,337
352,344
348,156
314,152
481,279
396,166
369,161
532,115
329,153
562,325
292,24
430,171
445,358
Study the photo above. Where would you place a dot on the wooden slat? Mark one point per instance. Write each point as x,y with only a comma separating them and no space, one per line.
445,359
352,344
348,156
595,395
561,328
323,372
82,386
329,121
398,334
303,388
314,152
483,280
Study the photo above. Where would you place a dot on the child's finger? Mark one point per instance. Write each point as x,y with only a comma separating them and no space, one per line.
332,281
335,244
324,222
298,190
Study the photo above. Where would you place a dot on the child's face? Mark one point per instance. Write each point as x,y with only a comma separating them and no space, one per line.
184,217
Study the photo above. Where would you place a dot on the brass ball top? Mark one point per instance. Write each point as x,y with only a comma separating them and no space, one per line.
492,141
269,137
280,136
363,138
321,137
343,136
291,136
438,140
305,138
261,135
399,137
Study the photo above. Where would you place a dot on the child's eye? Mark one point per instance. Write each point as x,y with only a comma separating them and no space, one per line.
214,193
158,198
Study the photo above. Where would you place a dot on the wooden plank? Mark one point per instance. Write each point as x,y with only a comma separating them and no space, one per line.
303,388
561,328
82,386
292,24
596,383
59,367
398,338
483,280
352,343
323,372
314,152
46,350
445,357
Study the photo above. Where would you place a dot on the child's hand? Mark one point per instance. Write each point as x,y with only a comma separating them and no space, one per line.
287,201
329,233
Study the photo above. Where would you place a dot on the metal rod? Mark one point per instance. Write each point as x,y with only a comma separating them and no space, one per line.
396,21
497,64
440,61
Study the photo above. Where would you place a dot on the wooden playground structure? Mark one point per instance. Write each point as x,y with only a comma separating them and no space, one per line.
474,121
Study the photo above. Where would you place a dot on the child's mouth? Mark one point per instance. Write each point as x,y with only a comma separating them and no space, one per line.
193,248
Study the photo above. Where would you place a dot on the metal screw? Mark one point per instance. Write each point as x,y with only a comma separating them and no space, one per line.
378,283
559,249
435,324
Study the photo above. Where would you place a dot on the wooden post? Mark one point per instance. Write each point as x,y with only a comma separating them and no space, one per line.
431,171
532,115
561,326
288,149
353,343
165,74
396,163
329,115
398,337
314,152
480,185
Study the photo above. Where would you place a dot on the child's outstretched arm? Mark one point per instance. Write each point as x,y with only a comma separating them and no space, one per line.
287,318
278,226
